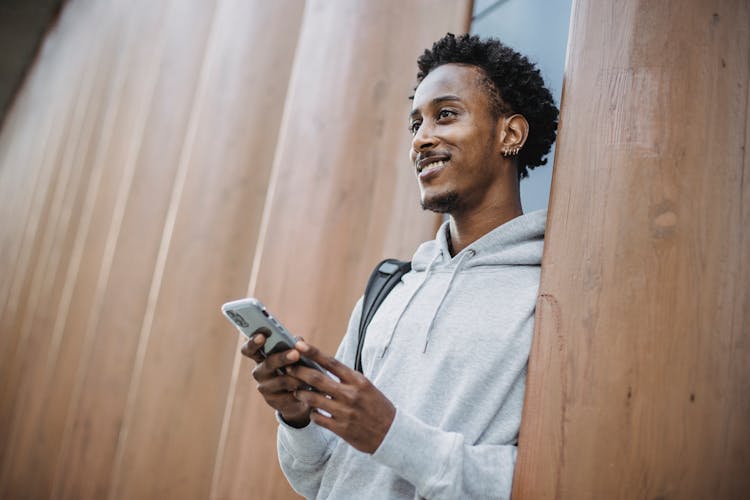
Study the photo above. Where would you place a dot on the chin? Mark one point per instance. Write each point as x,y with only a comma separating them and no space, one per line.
443,203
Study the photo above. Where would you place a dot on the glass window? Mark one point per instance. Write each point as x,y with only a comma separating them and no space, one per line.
539,30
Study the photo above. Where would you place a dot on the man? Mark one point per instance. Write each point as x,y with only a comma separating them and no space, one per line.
437,411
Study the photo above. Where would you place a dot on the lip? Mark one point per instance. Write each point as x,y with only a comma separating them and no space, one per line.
424,162
432,169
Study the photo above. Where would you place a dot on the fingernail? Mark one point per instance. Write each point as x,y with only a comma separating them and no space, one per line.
258,339
302,346
290,356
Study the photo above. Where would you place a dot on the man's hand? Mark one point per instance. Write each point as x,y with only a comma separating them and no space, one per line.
277,387
359,413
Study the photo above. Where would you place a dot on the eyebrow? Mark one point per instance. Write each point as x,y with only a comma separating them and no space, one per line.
437,100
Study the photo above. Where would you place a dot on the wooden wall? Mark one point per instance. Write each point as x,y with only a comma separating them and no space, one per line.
162,158
639,378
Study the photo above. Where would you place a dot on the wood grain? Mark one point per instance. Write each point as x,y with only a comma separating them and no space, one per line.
32,318
178,391
640,369
99,398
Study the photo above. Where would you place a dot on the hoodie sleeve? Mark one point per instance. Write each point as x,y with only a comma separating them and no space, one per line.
441,465
304,453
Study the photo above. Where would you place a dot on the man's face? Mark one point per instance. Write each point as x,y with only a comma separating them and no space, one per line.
456,151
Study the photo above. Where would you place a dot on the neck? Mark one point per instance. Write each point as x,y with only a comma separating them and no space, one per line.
466,228
497,205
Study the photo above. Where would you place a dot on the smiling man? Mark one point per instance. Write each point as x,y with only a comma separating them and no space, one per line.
437,409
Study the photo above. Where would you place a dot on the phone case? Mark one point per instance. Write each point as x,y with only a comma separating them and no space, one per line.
250,316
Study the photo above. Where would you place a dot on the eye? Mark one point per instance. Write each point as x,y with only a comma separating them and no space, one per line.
414,126
446,113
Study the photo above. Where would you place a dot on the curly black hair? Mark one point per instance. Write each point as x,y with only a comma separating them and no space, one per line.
514,83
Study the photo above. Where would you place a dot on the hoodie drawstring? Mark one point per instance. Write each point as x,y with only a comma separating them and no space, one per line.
469,253
408,302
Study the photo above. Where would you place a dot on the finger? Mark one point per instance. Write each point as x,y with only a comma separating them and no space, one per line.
326,422
320,381
279,385
333,365
319,401
272,365
251,348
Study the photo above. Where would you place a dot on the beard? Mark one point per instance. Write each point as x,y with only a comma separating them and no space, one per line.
444,203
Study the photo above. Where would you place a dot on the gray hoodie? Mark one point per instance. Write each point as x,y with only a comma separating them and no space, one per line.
449,347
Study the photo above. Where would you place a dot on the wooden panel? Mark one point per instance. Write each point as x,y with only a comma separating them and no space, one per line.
343,196
639,379
31,145
29,319
128,62
107,353
107,123
186,350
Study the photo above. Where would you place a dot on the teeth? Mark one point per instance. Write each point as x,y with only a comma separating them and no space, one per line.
434,165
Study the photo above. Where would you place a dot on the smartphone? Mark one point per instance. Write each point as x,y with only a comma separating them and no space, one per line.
250,316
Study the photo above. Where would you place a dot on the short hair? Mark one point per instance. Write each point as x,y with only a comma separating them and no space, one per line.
514,84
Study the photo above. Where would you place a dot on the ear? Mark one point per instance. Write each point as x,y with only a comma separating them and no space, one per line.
514,130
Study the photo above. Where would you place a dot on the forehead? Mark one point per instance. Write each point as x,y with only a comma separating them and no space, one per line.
460,80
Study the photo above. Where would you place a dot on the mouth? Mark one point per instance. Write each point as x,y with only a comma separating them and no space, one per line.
424,162
430,167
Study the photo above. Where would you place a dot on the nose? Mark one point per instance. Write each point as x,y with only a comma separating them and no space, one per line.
423,139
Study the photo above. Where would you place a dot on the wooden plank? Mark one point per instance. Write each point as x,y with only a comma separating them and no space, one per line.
343,197
33,138
639,374
32,316
109,340
106,165
179,387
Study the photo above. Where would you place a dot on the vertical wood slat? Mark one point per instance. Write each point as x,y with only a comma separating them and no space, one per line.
28,182
93,423
343,196
24,155
39,421
87,438
41,416
639,376
186,348
29,319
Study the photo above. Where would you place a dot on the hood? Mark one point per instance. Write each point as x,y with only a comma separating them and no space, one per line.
519,241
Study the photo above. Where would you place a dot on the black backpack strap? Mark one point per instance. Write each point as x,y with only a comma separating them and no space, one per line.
384,277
